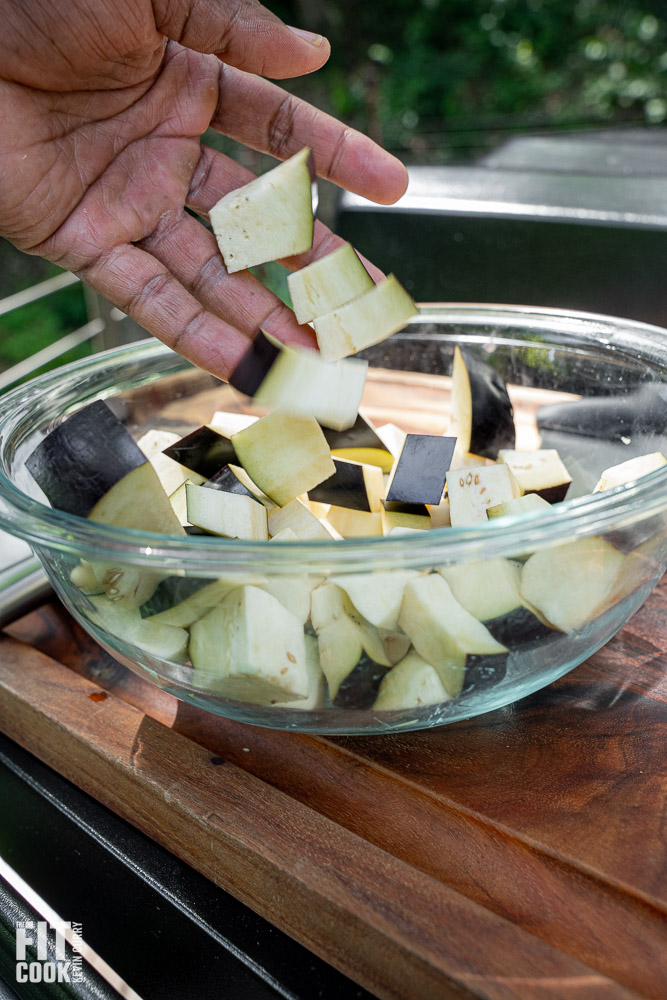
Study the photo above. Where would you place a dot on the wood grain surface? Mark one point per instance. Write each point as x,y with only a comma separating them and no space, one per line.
520,854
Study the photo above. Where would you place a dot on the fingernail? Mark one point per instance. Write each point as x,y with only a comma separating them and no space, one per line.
308,36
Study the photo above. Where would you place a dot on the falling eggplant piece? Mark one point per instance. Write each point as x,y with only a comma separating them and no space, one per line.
327,283
269,218
298,381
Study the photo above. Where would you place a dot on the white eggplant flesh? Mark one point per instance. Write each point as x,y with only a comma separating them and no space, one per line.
573,583
327,283
442,631
472,491
250,648
412,683
284,455
373,316
231,515
267,219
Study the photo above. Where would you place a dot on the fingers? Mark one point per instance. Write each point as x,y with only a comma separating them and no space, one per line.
145,289
190,253
263,116
242,33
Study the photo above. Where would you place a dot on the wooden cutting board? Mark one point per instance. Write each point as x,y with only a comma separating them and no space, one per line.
517,855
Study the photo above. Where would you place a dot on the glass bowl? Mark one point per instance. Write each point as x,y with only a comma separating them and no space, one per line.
612,545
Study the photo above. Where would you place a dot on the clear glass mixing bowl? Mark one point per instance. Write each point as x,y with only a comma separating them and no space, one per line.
544,355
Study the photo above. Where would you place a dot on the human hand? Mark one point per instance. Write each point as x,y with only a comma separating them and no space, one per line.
102,105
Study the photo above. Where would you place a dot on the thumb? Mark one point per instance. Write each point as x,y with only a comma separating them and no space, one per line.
242,33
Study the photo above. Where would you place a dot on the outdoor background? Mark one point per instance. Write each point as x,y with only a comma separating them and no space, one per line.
435,81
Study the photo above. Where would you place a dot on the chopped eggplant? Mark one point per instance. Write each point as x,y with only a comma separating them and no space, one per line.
298,381
482,415
368,319
191,608
316,697
250,648
83,457
170,473
346,642
284,455
203,451
490,589
327,283
227,480
267,219
349,523
472,491
571,584
442,631
412,683
359,443
413,520
232,515
529,503
295,516
376,596
353,485
163,641
628,472
541,472
419,474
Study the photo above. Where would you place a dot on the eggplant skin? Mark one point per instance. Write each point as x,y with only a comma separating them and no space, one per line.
484,671
519,628
226,480
360,688
492,413
255,365
83,458
203,451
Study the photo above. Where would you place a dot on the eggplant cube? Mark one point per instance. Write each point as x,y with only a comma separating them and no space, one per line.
349,523
419,475
269,218
366,320
359,443
83,457
571,584
490,589
232,515
442,631
541,472
412,683
250,648
353,485
284,455
529,503
203,451
327,283
296,518
472,491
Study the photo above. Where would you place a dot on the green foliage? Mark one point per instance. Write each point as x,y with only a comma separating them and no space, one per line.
451,77
33,327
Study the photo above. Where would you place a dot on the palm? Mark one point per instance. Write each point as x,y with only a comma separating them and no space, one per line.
102,154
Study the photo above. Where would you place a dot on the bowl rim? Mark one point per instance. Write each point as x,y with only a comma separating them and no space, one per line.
43,526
